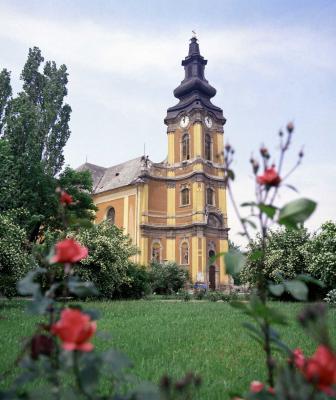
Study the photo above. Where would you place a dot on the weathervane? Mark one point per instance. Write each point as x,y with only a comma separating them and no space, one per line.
194,34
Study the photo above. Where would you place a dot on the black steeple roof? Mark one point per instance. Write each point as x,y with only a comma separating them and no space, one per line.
194,91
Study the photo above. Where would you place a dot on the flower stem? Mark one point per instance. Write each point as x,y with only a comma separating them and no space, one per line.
77,375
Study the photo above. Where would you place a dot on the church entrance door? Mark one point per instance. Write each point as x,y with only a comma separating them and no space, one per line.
212,277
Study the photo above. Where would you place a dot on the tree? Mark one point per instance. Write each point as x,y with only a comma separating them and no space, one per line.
15,260
321,255
35,128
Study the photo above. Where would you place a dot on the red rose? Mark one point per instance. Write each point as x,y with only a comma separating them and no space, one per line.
65,198
298,357
256,386
320,369
75,330
69,251
269,178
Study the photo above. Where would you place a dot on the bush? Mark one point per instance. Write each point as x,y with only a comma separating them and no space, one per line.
137,285
167,278
199,294
15,260
184,295
285,256
321,255
107,265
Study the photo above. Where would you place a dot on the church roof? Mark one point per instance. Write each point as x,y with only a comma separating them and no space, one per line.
194,92
113,177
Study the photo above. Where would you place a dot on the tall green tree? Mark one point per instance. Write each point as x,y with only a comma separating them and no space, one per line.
34,128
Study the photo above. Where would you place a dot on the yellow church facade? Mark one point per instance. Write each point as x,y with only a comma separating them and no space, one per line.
175,210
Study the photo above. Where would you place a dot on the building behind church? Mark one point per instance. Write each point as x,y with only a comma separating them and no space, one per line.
175,210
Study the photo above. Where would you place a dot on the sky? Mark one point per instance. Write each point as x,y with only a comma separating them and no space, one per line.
270,61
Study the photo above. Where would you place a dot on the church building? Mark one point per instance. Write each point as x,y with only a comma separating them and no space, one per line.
175,210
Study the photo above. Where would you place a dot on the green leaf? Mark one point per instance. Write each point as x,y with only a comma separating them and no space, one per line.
292,187
146,391
214,258
39,304
253,329
296,212
27,285
276,290
249,222
309,279
248,204
90,374
230,174
268,209
82,289
234,262
116,361
297,289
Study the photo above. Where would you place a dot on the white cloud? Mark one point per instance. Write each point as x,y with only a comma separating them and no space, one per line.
111,49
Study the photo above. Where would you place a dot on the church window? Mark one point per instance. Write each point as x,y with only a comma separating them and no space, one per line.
207,147
185,194
156,252
185,147
110,216
210,197
184,253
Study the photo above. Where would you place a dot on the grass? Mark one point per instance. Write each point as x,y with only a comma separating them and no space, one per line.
174,337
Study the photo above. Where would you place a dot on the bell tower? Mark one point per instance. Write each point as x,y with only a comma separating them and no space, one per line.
196,196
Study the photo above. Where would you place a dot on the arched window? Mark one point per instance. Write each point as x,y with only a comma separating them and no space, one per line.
156,252
210,197
110,216
207,146
185,197
185,147
184,253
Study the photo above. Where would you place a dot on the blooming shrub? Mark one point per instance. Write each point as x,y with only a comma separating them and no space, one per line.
321,255
285,256
331,297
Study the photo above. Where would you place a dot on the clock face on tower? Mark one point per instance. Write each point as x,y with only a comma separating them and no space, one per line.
208,121
184,121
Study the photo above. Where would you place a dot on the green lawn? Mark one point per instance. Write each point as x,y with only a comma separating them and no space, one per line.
174,337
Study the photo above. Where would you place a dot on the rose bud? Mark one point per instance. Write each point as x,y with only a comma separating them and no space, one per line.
65,198
256,386
290,127
41,344
180,385
255,167
227,147
301,154
165,382
264,151
198,380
